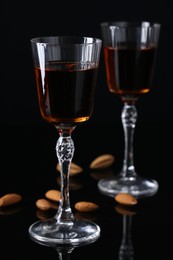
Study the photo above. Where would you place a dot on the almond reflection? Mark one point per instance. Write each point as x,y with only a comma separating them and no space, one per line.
74,183
100,174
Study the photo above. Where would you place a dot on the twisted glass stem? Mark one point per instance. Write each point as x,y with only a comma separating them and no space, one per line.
65,151
129,117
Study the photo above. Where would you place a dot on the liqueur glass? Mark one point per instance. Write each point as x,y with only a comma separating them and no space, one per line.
129,55
66,70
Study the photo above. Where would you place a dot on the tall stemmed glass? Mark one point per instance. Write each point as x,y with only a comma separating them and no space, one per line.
66,75
129,54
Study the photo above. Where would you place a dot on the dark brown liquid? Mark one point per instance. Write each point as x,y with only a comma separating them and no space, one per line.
129,71
66,91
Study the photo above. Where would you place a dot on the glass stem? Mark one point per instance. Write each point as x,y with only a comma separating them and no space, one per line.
126,248
64,253
65,151
128,117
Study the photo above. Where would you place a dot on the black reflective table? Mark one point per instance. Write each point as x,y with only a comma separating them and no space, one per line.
28,167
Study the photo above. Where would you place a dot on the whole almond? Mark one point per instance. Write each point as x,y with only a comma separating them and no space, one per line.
10,199
86,206
126,199
45,205
103,161
74,169
53,195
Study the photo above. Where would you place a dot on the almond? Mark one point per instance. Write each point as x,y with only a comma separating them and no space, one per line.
126,199
86,206
103,161
10,199
45,205
74,169
53,195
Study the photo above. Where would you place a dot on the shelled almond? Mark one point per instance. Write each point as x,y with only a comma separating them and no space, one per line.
53,195
126,199
103,161
10,199
74,169
45,205
86,206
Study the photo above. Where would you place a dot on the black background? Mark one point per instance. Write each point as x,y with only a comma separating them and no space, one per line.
22,21
27,143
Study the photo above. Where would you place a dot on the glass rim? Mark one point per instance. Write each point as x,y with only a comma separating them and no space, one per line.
75,40
131,24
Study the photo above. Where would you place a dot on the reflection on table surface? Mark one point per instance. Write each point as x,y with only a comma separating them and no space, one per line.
28,167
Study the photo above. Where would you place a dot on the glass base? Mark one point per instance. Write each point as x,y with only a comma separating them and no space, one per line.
137,186
72,233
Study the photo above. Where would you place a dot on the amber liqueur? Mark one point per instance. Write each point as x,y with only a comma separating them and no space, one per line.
129,70
66,91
